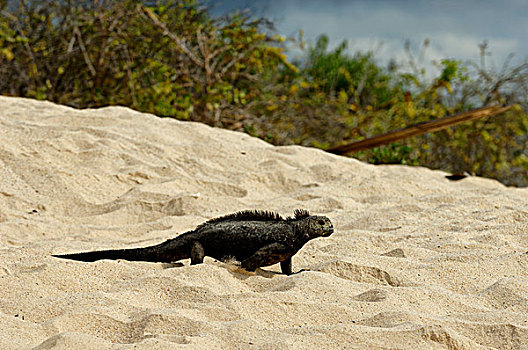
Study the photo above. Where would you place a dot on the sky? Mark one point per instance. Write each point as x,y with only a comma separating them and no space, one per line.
455,28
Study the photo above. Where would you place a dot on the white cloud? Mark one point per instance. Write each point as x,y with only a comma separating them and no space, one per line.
455,28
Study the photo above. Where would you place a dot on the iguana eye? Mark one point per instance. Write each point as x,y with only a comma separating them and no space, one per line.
321,222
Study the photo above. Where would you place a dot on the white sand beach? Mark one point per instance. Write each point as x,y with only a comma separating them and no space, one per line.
416,261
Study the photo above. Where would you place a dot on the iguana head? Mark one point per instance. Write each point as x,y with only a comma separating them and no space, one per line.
320,226
313,225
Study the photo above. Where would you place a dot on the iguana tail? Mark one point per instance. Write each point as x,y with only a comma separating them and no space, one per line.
152,254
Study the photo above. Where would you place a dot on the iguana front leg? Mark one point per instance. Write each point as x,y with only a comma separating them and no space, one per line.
197,253
269,255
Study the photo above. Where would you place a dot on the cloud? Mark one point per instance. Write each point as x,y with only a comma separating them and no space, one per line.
455,28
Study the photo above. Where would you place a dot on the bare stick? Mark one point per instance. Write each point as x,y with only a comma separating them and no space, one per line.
77,32
418,129
171,35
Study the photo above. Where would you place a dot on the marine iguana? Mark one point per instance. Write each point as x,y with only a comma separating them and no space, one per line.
254,238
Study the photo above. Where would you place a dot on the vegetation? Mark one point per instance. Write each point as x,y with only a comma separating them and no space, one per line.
173,59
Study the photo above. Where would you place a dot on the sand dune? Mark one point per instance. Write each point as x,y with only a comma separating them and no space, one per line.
416,262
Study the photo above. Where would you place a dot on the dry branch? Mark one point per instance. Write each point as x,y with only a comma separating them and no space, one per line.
177,40
418,129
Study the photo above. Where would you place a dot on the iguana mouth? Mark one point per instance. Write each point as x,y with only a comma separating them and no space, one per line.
329,231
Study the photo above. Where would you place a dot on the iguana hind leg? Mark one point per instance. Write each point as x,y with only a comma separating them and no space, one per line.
269,255
197,253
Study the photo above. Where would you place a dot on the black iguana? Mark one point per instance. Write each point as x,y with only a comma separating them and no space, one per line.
254,238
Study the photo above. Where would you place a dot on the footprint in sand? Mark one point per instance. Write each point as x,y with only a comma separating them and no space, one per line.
361,273
389,319
143,327
508,293
395,253
372,296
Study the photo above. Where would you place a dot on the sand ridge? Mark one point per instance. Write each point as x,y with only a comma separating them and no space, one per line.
416,261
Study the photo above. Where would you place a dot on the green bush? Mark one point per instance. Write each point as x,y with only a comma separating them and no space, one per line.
394,153
170,58
173,59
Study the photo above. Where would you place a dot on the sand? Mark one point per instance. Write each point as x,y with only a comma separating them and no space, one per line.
416,262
